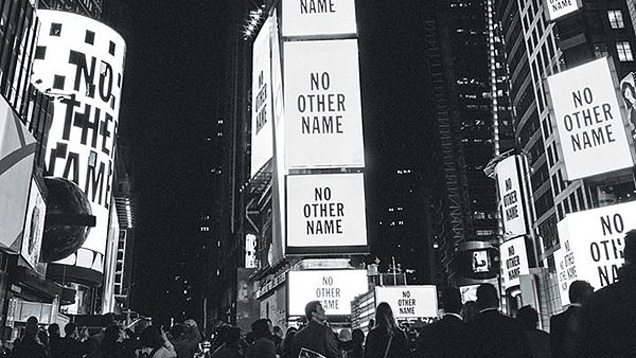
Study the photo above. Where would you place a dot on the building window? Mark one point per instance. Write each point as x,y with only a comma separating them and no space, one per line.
111,48
600,50
58,82
624,51
40,52
90,37
616,19
56,29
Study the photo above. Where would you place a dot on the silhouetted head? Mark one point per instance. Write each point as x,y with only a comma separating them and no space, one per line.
528,317
487,296
262,328
151,337
357,335
580,291
452,300
384,318
314,311
54,330
70,329
629,252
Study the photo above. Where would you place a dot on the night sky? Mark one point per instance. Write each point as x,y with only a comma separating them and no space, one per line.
173,92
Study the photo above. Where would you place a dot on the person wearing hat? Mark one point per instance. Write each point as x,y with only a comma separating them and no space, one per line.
608,320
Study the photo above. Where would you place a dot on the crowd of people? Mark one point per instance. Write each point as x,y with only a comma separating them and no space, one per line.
596,324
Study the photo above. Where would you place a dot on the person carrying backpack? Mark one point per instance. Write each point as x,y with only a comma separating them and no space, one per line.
155,344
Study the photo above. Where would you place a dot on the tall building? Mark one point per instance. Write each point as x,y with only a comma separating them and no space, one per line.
536,49
90,8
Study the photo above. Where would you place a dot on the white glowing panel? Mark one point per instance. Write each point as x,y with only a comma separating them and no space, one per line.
323,116
589,120
82,65
17,152
511,198
33,226
560,8
593,244
335,289
318,17
326,211
409,301
261,99
514,261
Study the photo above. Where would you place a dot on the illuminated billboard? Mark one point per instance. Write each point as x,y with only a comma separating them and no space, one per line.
589,120
514,261
262,145
511,198
592,241
33,226
335,289
80,63
560,8
318,17
323,114
409,301
17,153
326,211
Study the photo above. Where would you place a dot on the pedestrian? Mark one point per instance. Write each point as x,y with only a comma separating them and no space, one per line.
564,327
231,347
277,337
386,339
55,341
469,311
538,340
358,343
113,344
288,341
155,344
187,345
95,341
446,337
608,320
30,345
316,336
491,334
71,346
345,343
263,346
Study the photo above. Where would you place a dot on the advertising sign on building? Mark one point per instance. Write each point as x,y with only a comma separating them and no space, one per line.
326,212
593,243
323,115
262,137
589,120
80,63
335,289
511,198
514,261
33,226
565,263
409,301
628,92
318,17
17,153
560,8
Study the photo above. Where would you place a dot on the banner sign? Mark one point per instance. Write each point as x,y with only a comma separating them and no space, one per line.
589,120
560,8
511,198
409,301
326,210
335,289
514,261
262,140
318,17
81,63
592,241
323,114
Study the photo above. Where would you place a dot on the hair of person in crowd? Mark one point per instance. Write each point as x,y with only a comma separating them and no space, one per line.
261,328
151,337
528,317
54,330
629,251
70,328
580,291
487,296
452,300
113,333
469,311
310,308
344,335
357,335
385,319
232,337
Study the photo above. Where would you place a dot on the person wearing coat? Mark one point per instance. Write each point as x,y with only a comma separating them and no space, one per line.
386,339
446,337
316,336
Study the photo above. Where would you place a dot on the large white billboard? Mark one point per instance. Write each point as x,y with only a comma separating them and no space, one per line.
409,301
80,62
560,8
326,210
318,17
592,241
589,120
514,261
262,140
511,201
335,289
323,115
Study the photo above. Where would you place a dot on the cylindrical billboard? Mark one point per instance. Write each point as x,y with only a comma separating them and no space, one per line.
80,62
